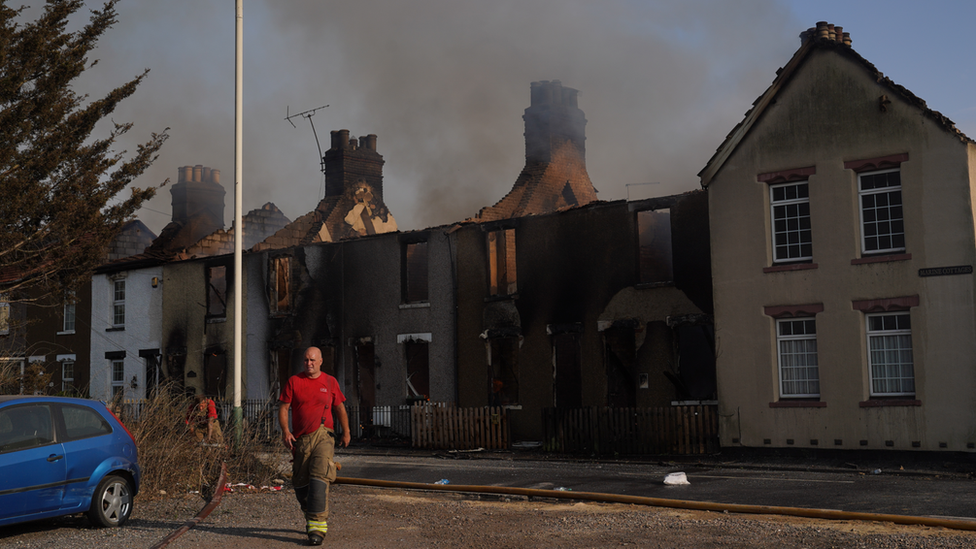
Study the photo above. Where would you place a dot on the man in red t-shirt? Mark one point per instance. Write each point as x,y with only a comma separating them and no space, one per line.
313,396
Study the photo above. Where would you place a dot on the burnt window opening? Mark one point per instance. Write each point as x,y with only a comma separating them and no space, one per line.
502,277
503,371
279,278
217,292
418,370
413,277
654,246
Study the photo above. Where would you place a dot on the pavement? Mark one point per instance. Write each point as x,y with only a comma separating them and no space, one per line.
900,483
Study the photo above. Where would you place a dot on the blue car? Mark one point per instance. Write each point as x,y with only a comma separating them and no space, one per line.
61,456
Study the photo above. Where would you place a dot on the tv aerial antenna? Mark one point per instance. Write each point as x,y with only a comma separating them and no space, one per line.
308,116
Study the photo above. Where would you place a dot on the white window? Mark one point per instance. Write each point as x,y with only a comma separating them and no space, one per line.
68,318
118,377
4,315
882,220
789,206
890,354
67,375
118,304
799,373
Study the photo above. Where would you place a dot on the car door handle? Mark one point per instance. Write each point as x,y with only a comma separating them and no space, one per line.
53,457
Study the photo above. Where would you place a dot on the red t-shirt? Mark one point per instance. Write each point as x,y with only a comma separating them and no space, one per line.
311,401
196,414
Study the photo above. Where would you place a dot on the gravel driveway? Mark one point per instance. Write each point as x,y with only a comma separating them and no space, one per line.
370,517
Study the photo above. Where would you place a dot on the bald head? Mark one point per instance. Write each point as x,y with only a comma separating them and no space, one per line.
313,362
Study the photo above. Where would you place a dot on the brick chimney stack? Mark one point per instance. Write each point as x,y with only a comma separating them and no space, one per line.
553,118
198,191
349,161
826,32
554,176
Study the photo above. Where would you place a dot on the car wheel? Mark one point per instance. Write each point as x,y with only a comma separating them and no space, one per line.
112,502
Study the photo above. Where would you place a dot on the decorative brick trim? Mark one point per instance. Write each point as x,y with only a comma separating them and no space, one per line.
885,305
785,176
790,267
880,259
793,311
798,404
880,163
881,402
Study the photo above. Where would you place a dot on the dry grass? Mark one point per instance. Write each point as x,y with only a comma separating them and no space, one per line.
172,461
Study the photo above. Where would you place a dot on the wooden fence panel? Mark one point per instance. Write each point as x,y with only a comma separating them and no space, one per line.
451,428
680,430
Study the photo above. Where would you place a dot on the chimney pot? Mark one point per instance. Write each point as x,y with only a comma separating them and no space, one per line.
830,33
847,39
215,176
370,142
198,173
822,31
838,33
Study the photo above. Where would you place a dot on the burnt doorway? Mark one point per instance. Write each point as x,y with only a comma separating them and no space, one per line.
621,367
215,373
154,372
568,370
418,369
366,375
503,371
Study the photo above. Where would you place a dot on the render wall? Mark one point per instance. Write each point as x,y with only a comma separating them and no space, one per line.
829,114
142,330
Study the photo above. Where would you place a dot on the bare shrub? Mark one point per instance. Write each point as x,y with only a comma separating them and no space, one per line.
174,463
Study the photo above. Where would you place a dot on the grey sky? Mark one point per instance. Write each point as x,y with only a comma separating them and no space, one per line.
443,84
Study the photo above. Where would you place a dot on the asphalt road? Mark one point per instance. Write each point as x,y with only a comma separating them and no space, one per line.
888,492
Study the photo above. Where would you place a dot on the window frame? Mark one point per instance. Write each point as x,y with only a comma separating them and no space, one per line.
873,334
415,289
862,193
658,246
781,339
214,293
118,303
787,202
69,310
502,262
67,381
279,274
4,315
117,365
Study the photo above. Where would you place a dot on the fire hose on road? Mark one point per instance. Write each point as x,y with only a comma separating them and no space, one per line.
827,514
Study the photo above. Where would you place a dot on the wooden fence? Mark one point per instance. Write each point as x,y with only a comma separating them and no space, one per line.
634,431
447,427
